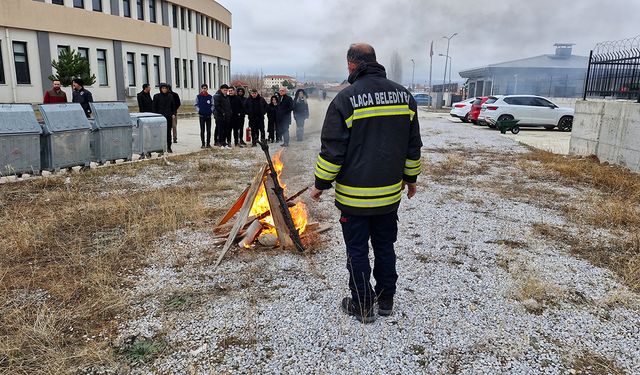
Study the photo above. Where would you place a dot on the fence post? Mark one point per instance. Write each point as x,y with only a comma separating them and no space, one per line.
586,80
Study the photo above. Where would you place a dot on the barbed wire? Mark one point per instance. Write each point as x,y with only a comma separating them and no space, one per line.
618,46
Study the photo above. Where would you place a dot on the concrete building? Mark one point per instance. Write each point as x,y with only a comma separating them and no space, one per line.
276,80
559,75
127,42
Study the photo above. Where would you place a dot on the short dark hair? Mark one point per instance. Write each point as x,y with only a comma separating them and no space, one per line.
204,85
145,86
224,86
360,53
79,81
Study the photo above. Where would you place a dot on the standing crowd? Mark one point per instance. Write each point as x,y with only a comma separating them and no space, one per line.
229,106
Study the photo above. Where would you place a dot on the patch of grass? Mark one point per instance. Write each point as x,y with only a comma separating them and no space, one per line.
536,293
66,249
508,243
178,302
595,364
143,350
204,166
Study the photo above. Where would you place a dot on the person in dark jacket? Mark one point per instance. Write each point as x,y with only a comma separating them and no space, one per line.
371,149
237,116
82,96
240,122
145,103
204,107
222,116
256,107
300,113
272,108
174,122
283,116
163,104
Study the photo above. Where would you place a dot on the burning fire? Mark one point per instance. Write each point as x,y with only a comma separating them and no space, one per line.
261,203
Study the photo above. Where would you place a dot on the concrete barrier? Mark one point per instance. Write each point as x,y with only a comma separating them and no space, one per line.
608,129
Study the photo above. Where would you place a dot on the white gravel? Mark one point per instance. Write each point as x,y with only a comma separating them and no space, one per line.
277,313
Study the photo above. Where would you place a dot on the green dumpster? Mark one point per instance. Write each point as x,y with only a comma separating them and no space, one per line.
505,125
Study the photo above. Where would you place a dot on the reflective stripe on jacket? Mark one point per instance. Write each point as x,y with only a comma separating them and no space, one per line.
370,143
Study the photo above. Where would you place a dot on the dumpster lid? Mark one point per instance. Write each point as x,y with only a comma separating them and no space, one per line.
63,117
111,114
18,119
144,114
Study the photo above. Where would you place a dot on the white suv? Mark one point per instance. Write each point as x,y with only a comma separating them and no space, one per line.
461,109
531,110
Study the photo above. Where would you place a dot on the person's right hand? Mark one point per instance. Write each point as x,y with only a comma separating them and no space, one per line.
411,188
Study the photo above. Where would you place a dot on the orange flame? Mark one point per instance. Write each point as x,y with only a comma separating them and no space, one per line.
261,203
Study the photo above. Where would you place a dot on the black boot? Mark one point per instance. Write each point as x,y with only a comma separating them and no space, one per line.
364,315
385,306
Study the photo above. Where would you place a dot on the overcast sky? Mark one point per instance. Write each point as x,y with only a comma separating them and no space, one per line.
309,39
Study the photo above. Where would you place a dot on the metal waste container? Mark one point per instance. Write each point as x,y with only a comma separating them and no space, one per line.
149,133
19,140
110,132
65,137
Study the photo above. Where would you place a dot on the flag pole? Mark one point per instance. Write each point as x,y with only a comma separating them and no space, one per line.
430,70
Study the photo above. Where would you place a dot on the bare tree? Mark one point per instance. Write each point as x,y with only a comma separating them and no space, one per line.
395,67
252,79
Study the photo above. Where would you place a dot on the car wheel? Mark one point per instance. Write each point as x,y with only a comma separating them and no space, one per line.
549,127
565,124
465,118
515,130
505,118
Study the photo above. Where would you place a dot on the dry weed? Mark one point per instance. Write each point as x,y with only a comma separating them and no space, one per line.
65,251
595,364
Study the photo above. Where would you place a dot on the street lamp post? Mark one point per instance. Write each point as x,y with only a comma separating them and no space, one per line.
444,78
450,65
413,75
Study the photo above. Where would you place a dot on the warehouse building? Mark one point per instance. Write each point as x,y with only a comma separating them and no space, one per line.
127,42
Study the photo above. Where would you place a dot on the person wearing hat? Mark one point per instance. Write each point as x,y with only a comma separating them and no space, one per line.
256,107
81,96
222,116
163,104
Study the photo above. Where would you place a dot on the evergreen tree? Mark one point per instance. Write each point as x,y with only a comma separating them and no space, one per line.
70,65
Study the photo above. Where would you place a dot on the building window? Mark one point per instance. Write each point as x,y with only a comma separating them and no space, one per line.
131,68
144,62
126,8
152,11
177,71
21,62
102,67
83,52
191,72
78,4
189,17
57,2
204,72
184,73
156,69
183,16
174,12
206,21
2,79
212,79
140,6
97,5
63,48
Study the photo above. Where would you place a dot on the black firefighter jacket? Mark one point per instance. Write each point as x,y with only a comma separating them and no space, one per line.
370,143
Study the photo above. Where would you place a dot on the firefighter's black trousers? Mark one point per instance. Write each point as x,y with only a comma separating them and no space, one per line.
383,232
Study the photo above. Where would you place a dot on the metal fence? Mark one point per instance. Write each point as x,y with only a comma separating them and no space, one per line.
614,70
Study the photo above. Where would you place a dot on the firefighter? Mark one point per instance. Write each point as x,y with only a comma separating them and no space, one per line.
371,149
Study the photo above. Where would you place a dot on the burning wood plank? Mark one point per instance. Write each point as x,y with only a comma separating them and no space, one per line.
235,207
250,234
244,212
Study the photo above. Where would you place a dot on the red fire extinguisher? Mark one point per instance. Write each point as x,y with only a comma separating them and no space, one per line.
248,135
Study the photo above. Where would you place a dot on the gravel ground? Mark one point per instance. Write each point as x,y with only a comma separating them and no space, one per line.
464,253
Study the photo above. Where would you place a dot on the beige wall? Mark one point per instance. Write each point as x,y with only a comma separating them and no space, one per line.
207,7
58,19
212,47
